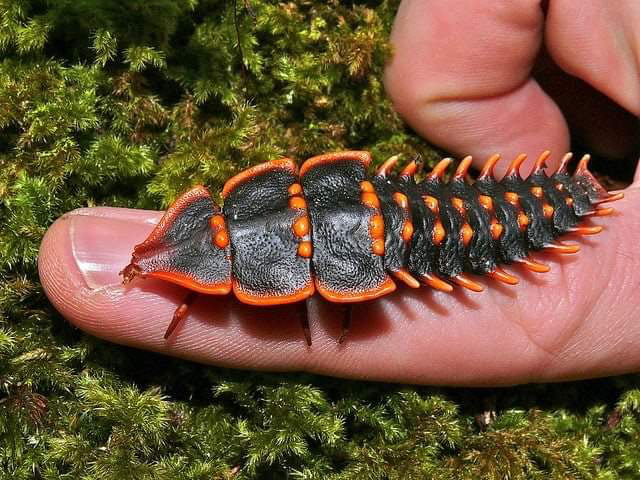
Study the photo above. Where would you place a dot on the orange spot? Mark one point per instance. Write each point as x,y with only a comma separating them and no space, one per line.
603,212
370,199
559,187
583,164
217,222
438,233
512,198
301,226
366,186
406,277
467,234
376,226
387,165
523,221
537,192
458,204
611,198
568,201
562,248
463,168
407,231
586,230
496,229
547,210
409,170
295,189
486,202
401,200
440,169
487,168
305,249
431,203
564,163
377,246
466,282
502,276
435,282
222,239
541,162
514,166
533,266
297,202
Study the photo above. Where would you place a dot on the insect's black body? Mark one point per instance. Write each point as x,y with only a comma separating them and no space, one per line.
263,244
345,265
331,228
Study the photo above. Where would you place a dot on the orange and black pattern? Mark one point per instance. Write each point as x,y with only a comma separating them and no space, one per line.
284,234
461,227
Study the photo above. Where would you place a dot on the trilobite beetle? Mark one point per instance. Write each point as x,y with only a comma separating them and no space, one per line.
330,228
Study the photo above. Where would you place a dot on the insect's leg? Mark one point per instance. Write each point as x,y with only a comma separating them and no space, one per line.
304,321
180,313
346,323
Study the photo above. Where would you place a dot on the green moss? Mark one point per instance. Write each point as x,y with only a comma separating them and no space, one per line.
130,103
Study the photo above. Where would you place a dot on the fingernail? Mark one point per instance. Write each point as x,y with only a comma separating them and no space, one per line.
103,239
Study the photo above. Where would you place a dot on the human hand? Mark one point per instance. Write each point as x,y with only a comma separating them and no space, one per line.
579,320
463,75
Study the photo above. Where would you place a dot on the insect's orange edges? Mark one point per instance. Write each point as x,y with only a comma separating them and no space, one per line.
335,229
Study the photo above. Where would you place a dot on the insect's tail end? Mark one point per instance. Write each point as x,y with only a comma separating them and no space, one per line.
596,192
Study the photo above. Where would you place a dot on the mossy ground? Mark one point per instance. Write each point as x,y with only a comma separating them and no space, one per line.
129,103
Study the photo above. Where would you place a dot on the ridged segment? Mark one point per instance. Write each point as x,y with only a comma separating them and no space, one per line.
481,252
463,227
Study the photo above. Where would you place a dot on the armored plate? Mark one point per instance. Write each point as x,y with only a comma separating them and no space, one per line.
181,249
346,269
267,268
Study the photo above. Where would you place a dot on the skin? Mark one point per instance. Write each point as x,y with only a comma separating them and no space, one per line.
460,76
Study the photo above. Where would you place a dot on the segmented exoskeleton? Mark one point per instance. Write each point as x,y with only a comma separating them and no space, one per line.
331,228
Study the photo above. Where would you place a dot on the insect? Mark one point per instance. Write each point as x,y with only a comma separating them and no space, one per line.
284,234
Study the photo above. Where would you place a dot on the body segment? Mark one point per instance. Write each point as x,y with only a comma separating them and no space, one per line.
264,241
347,228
